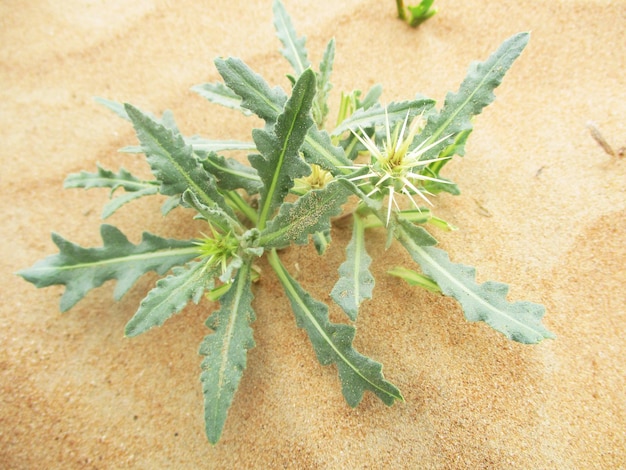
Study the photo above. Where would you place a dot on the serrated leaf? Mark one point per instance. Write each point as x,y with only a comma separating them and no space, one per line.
373,204
294,48
202,145
319,150
173,162
332,343
214,215
268,103
320,104
519,321
82,269
225,352
412,236
311,213
117,108
114,204
376,115
171,295
280,162
107,179
356,282
372,97
219,93
231,174
474,94
255,93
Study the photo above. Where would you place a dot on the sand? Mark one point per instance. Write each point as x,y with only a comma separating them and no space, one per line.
542,208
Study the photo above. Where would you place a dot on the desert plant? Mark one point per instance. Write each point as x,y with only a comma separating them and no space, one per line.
417,14
378,167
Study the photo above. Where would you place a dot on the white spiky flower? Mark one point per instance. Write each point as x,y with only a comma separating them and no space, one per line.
393,169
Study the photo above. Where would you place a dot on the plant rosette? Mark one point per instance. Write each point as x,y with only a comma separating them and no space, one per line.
300,177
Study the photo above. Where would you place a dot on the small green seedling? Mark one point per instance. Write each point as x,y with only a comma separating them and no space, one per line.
417,13
379,167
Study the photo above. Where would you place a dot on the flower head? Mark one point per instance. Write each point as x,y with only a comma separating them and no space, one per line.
318,179
393,168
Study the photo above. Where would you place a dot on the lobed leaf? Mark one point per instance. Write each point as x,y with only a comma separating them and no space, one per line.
519,321
320,104
173,161
332,343
171,295
225,352
268,103
114,204
201,144
255,93
82,269
214,215
474,94
310,214
117,108
219,93
231,174
294,48
356,282
318,149
135,187
106,179
279,162
376,115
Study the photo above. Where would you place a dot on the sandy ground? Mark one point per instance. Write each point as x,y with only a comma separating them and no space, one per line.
543,208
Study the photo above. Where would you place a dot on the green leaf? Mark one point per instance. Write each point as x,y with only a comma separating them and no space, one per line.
519,321
107,179
356,282
214,215
412,236
225,352
280,162
230,174
171,295
320,104
332,343
202,145
268,103
311,213
294,48
219,93
377,115
414,278
117,108
82,269
114,204
474,94
255,93
173,162
319,150
321,241
373,204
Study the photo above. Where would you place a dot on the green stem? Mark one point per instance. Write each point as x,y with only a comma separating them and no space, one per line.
401,13
240,204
